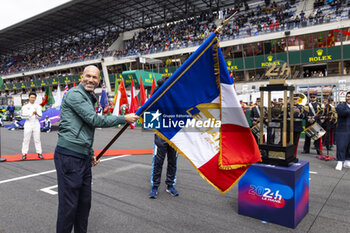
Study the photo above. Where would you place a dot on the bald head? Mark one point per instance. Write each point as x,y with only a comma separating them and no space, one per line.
90,78
91,68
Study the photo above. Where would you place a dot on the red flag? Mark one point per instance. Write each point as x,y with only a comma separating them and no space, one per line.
75,84
346,33
121,99
231,74
136,103
330,39
153,85
132,103
143,96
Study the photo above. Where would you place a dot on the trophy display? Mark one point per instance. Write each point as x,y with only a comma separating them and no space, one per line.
278,148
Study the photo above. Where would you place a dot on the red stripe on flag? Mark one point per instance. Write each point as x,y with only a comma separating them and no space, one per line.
221,179
238,145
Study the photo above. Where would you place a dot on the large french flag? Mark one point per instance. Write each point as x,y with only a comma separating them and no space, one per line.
201,90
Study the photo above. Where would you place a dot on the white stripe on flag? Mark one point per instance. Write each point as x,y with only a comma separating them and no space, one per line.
232,112
194,145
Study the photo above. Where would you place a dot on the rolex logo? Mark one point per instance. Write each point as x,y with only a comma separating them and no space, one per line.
229,63
319,52
166,70
150,75
269,58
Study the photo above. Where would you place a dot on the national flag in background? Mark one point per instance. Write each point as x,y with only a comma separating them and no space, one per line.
121,98
75,84
153,85
58,98
103,98
330,39
201,89
132,103
48,98
115,90
65,91
143,97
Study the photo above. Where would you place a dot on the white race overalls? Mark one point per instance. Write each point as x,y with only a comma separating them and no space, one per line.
31,125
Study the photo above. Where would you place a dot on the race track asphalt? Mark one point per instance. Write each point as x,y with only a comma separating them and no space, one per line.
28,199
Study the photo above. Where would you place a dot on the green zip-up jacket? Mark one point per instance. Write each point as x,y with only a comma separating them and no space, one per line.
79,120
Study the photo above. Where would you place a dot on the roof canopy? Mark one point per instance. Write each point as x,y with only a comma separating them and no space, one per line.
96,16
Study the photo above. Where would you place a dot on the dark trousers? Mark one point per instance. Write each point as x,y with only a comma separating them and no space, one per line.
74,193
343,146
162,148
308,142
332,138
44,129
11,115
296,136
326,139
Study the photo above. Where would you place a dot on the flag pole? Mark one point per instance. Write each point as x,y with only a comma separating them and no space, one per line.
112,141
224,24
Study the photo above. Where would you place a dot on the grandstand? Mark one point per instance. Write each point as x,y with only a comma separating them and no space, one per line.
52,48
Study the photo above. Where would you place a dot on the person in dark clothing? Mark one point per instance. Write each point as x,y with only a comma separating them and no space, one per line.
299,115
255,116
313,113
329,119
46,125
342,134
160,150
11,108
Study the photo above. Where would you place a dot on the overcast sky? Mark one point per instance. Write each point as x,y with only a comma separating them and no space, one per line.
15,11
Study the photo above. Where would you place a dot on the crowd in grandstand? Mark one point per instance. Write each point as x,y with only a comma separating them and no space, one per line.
63,52
250,20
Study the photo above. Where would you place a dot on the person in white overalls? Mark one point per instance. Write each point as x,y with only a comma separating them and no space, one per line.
32,113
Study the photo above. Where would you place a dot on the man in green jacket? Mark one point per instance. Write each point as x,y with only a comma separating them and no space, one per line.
74,154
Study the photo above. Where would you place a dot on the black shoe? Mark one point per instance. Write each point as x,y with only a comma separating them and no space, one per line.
40,156
24,156
318,152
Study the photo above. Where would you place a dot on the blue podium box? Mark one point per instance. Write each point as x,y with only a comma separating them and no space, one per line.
275,194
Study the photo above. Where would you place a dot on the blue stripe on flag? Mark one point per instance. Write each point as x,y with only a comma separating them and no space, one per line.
192,84
224,74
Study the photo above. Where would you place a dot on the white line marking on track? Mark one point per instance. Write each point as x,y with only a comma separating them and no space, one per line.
126,168
311,172
26,177
49,190
50,171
